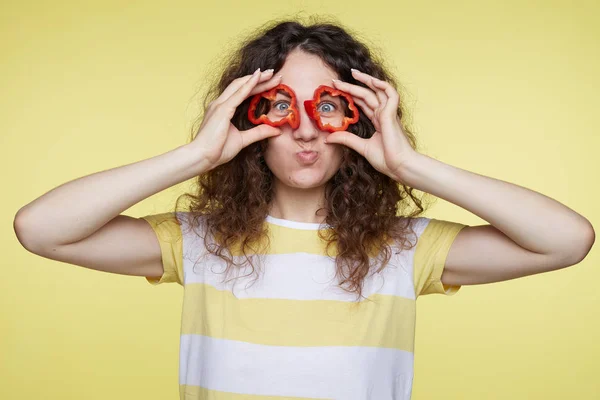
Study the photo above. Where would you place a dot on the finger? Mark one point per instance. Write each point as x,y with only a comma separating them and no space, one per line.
233,87
369,113
236,98
391,106
239,82
358,91
265,86
348,139
257,133
368,80
364,107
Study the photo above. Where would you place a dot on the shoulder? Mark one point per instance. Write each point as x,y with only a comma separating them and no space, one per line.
166,225
424,227
434,239
175,224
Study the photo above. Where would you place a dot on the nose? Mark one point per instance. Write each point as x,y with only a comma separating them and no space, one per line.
308,129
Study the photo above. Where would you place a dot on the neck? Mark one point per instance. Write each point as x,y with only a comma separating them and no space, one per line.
300,205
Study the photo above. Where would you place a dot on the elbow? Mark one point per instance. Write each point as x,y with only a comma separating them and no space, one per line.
585,245
23,233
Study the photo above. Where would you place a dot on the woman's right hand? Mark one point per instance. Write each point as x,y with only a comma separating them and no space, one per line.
218,140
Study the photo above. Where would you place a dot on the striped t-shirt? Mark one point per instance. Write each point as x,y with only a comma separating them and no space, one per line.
293,333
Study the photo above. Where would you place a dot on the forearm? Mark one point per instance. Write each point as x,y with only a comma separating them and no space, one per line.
532,220
78,208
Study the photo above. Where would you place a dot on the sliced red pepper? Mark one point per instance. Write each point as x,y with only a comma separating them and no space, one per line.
311,109
293,118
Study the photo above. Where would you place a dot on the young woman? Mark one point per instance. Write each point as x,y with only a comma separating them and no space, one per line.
312,214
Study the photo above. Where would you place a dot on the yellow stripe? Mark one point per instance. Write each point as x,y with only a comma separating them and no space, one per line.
430,256
168,231
386,321
284,240
197,392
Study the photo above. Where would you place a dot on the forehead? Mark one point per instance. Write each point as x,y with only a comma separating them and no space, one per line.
304,72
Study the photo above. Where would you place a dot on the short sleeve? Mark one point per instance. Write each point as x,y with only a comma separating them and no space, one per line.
432,248
168,231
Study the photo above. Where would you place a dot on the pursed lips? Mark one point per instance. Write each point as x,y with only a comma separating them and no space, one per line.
307,156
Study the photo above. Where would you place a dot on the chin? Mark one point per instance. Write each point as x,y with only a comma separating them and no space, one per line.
305,180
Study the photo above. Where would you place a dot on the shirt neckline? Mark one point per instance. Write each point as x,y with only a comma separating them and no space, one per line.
296,224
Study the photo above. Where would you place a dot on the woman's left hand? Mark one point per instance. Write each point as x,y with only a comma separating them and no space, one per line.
388,150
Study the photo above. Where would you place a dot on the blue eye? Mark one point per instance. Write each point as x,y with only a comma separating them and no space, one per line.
330,105
275,106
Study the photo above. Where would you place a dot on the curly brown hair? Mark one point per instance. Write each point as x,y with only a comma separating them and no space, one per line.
362,204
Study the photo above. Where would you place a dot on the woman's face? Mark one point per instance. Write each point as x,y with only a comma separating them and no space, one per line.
303,73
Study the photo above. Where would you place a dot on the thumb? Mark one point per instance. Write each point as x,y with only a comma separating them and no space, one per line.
260,132
347,139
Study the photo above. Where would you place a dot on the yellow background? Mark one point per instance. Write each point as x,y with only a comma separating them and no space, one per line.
508,89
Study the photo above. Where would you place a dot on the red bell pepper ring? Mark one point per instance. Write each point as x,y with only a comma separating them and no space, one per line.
311,109
293,118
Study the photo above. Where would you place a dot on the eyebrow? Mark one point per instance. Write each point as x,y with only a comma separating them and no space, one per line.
283,93
329,97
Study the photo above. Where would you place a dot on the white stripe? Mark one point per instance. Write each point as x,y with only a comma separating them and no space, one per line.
297,225
349,373
300,276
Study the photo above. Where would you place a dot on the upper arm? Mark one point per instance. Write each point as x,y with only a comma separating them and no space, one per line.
435,238
125,245
484,254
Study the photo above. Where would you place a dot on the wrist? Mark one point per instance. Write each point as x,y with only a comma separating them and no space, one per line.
195,157
411,172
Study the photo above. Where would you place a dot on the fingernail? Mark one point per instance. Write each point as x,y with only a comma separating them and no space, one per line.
257,69
279,76
334,80
268,70
354,70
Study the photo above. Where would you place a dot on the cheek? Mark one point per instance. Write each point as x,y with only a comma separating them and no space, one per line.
274,154
267,155
336,156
